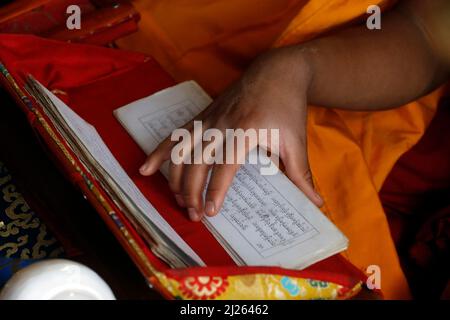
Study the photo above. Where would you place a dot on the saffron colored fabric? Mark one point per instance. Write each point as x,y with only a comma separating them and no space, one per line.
351,154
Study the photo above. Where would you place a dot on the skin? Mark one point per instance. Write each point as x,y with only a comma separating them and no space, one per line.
354,69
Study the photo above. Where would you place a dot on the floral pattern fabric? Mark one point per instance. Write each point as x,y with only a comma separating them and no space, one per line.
255,286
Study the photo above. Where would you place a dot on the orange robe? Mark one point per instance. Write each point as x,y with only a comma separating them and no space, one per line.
212,41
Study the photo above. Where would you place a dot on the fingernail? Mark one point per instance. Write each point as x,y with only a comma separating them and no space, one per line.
143,169
180,200
193,214
210,208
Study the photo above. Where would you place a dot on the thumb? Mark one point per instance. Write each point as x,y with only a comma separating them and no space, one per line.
295,161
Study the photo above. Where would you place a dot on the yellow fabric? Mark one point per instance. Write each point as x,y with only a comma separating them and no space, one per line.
255,287
350,153
210,41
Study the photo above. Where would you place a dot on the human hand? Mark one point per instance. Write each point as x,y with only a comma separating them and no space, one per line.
272,94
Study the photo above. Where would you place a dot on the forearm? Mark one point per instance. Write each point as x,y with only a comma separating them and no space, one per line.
363,69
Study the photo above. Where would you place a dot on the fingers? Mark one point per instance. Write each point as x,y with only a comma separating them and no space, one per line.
175,182
298,171
222,175
188,181
194,181
221,178
157,157
164,149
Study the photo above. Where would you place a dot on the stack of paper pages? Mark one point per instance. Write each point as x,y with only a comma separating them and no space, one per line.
265,220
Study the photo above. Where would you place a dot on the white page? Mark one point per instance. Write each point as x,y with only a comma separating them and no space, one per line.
98,149
265,220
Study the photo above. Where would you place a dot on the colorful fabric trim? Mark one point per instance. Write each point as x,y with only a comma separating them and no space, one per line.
255,286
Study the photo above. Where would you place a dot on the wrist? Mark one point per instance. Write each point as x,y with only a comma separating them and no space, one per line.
299,59
290,66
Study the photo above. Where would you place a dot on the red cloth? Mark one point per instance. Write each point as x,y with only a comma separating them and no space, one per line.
91,81
102,21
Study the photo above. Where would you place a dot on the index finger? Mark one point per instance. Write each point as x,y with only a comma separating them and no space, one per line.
163,151
222,176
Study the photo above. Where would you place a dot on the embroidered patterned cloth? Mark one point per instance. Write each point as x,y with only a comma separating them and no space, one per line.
268,287
23,237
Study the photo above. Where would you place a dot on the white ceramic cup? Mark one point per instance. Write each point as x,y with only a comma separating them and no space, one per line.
56,279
